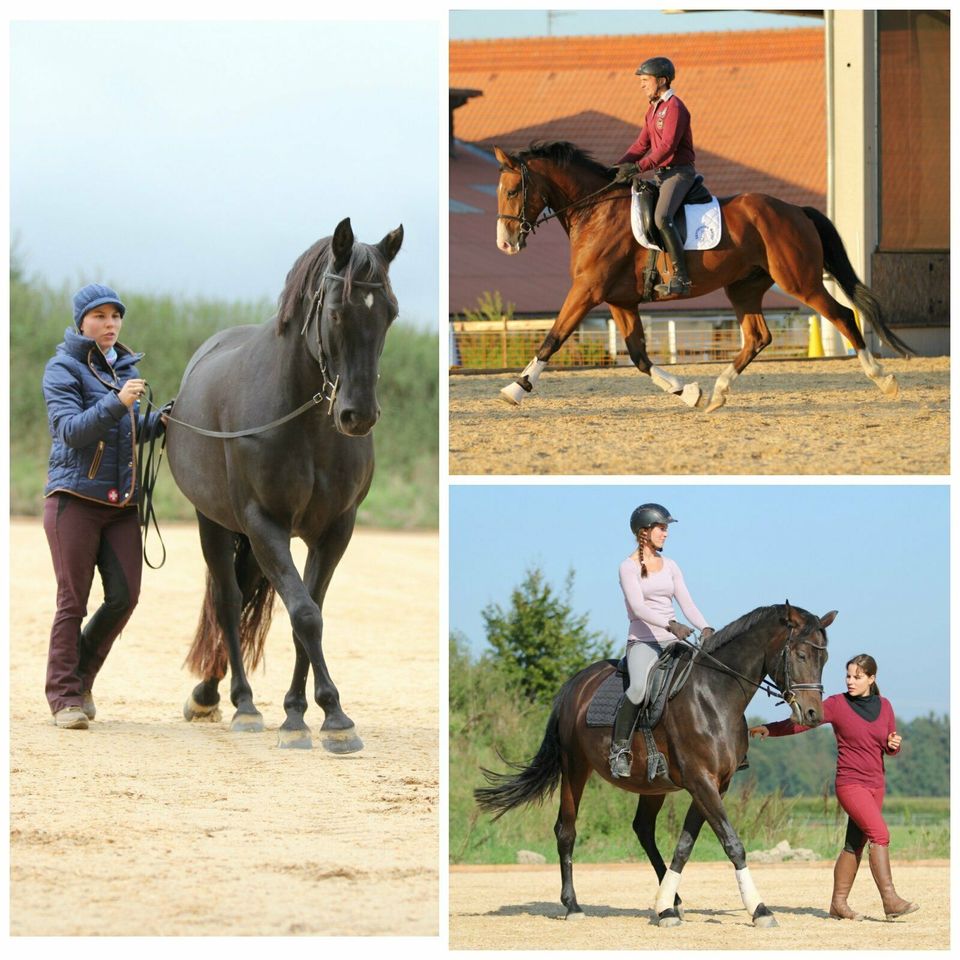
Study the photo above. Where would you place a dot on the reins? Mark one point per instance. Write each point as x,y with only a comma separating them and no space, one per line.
526,227
148,469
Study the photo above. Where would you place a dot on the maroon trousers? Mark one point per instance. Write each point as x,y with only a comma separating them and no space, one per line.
85,536
864,806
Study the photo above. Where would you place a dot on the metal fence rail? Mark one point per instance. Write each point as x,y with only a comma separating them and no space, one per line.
511,343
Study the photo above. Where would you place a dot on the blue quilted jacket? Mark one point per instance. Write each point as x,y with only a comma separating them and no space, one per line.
94,450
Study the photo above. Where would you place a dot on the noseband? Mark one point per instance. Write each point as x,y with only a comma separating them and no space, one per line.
787,688
317,309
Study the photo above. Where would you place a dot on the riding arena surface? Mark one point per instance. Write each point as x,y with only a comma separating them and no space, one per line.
781,417
148,825
518,907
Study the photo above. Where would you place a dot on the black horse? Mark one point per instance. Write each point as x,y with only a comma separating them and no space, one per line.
278,445
703,736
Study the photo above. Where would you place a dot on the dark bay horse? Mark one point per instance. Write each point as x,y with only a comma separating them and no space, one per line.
703,736
270,439
764,241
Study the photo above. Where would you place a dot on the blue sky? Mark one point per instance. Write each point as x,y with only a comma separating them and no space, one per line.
878,554
201,158
490,24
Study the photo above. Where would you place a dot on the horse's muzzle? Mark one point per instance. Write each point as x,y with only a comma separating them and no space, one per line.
354,422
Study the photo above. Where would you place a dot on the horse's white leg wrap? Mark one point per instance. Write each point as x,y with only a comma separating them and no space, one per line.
689,393
748,892
514,393
668,891
873,369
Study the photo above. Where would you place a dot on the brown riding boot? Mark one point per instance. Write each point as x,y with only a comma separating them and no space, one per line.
844,873
893,905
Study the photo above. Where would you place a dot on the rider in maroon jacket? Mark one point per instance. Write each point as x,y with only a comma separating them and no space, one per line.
664,147
866,732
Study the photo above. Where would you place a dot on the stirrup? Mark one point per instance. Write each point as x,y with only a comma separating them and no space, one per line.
621,760
676,286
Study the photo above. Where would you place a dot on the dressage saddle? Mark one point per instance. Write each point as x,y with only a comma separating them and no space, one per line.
649,193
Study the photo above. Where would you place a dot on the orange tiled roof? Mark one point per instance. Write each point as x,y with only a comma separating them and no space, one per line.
755,98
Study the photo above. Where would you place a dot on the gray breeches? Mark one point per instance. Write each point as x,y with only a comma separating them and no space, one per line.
674,185
640,660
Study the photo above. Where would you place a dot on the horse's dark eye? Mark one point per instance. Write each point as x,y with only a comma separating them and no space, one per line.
512,193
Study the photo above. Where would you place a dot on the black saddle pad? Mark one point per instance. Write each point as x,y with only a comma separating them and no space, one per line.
603,707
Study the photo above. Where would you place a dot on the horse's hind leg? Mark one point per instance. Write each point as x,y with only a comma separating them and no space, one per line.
572,781
844,319
746,295
645,827
219,552
631,327
575,307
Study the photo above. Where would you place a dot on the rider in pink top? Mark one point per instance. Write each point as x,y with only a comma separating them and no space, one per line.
866,732
650,584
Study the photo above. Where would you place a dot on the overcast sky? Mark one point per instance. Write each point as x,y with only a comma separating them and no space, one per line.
191,158
878,554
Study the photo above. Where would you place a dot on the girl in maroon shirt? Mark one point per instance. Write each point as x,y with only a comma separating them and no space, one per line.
864,726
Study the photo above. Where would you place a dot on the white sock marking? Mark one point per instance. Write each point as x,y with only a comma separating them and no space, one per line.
533,370
748,892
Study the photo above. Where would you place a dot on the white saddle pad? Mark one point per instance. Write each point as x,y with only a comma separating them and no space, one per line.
703,223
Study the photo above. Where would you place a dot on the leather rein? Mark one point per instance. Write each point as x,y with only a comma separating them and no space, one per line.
526,227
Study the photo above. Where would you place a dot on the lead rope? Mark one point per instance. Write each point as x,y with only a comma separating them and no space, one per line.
148,468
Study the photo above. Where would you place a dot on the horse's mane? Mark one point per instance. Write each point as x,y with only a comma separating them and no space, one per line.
366,262
565,154
737,628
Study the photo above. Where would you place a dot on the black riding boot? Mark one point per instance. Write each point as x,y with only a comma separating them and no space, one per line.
623,724
679,283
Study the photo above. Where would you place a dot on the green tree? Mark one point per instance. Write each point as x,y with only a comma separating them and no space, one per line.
538,642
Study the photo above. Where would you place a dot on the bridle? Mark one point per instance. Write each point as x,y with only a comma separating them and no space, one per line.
787,690
526,227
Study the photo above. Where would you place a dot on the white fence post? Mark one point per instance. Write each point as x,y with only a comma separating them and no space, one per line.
672,339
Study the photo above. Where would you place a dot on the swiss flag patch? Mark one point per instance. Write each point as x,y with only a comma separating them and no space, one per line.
113,496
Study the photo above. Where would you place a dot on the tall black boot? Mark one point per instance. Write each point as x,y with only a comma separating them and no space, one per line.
623,724
679,284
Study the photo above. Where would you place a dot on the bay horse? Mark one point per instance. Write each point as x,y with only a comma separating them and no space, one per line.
763,241
270,438
702,735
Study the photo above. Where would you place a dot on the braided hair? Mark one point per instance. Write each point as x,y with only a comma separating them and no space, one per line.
643,538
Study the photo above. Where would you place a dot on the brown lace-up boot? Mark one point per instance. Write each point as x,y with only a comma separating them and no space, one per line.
893,905
844,873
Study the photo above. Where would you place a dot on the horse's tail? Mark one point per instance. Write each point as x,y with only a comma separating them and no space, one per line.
207,656
837,264
535,780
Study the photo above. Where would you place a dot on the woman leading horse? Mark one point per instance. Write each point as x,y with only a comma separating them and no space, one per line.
764,241
702,735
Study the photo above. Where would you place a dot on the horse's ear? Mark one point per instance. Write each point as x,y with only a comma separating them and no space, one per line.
828,618
389,246
787,613
342,245
504,159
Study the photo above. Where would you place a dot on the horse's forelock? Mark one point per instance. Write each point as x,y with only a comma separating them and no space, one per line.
366,263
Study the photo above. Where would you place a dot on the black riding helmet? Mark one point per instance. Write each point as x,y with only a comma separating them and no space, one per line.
657,67
647,514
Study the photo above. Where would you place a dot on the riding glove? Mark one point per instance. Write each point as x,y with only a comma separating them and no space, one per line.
626,171
706,633
680,630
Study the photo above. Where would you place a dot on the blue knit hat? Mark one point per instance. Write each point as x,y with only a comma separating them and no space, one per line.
93,295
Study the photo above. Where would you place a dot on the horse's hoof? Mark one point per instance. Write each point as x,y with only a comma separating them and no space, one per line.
889,387
762,917
247,722
294,739
669,918
576,914
197,711
691,394
513,393
715,404
341,741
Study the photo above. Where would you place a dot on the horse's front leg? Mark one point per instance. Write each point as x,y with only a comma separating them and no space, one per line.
707,798
294,732
631,328
669,912
574,309
338,733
